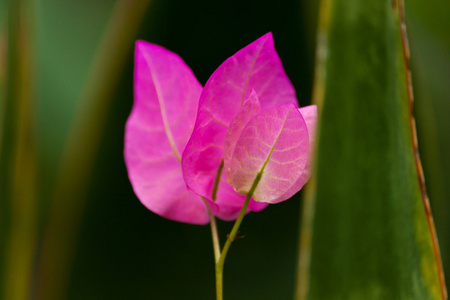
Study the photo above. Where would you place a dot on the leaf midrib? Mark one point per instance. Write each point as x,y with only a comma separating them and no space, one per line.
160,97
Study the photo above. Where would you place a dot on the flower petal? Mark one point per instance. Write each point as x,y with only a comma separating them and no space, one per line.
256,67
250,108
166,95
274,146
309,114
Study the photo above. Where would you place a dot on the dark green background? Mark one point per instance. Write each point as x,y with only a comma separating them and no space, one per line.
127,252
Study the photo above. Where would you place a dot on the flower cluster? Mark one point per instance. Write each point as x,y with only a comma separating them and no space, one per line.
189,149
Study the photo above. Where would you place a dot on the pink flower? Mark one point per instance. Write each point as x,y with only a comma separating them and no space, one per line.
247,127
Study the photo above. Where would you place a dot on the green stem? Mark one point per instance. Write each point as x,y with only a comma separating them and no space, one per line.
234,231
230,239
214,233
217,181
215,237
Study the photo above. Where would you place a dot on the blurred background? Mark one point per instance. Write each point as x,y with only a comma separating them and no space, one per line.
70,224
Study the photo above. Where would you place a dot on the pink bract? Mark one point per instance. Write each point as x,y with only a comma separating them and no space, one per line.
273,145
256,67
166,95
250,108
309,114
247,126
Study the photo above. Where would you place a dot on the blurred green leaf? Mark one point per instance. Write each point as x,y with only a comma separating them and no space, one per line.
18,163
371,238
61,232
428,24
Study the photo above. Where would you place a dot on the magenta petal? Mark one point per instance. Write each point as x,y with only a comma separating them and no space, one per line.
309,114
256,67
274,144
250,108
229,202
166,95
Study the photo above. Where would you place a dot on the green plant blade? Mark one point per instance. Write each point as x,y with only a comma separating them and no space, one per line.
430,46
372,231
66,210
18,163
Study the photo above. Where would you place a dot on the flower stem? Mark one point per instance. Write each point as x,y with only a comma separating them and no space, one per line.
231,238
214,233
